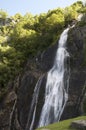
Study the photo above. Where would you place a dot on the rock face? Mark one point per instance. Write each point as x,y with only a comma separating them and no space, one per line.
77,85
39,67
27,85
6,109
76,47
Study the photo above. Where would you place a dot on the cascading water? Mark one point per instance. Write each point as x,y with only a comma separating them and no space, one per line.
33,107
56,93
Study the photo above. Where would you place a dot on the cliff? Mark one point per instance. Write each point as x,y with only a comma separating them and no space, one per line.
76,46
38,67
21,90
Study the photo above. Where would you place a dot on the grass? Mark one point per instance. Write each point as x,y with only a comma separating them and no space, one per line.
62,125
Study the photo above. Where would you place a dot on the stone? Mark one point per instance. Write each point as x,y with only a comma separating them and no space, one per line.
11,97
79,124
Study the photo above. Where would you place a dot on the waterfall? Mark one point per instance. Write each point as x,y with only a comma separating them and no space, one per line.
56,91
84,2
33,107
12,116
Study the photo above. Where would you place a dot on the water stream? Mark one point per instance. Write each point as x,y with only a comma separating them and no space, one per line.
56,90
56,93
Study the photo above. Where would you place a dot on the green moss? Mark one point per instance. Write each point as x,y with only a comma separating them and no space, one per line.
62,125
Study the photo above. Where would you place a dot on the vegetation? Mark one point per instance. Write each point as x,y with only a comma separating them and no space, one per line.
62,125
3,14
22,37
82,11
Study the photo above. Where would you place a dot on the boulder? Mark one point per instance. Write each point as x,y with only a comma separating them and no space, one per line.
79,124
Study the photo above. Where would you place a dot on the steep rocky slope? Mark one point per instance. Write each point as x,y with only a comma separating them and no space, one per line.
38,67
77,85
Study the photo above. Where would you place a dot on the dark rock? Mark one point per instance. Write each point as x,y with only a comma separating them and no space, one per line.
76,86
79,124
41,85
77,73
45,60
24,97
76,47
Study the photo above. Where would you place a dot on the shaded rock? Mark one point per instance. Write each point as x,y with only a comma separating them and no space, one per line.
6,109
74,104
80,124
24,97
45,60
84,104
76,47
10,97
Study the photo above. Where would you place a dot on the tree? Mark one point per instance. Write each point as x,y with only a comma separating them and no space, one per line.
3,14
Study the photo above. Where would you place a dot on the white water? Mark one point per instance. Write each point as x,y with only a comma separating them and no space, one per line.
84,2
80,17
33,105
56,93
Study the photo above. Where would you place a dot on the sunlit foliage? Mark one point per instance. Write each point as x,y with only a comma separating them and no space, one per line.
22,37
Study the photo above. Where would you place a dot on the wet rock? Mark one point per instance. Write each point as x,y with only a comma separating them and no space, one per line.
76,47
45,60
24,97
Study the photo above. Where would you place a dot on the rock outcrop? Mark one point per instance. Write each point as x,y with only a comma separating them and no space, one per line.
77,85
80,124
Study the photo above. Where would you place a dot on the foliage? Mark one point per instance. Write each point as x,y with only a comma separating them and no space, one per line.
22,37
3,14
17,17
72,12
83,10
